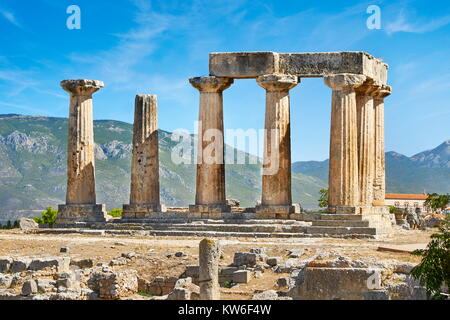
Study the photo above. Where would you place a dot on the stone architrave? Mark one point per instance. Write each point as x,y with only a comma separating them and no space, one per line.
209,255
80,198
210,200
366,143
343,194
379,185
144,189
276,199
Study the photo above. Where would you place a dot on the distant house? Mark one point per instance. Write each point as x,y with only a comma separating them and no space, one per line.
407,201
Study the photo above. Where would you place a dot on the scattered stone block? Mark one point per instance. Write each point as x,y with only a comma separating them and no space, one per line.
64,250
61,264
6,280
82,263
228,270
404,268
180,254
266,295
27,224
245,258
273,261
29,287
209,255
283,282
114,285
20,264
296,253
5,264
242,276
45,285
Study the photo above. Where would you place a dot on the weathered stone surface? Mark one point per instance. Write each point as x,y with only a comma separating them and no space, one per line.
343,172
80,196
20,264
276,179
283,282
27,224
144,190
185,290
254,64
45,285
245,258
6,280
242,276
159,286
5,264
209,255
210,181
114,285
61,264
273,261
29,287
82,263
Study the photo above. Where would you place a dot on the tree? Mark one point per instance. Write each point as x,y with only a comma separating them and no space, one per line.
434,270
323,200
437,201
47,217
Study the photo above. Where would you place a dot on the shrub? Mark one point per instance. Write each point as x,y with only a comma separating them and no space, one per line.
434,270
116,213
47,217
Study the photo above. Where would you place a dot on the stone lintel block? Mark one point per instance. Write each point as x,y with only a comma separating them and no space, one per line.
318,64
276,211
209,210
71,213
145,210
345,210
243,64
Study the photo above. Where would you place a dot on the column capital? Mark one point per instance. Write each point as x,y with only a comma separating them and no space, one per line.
382,91
82,86
343,81
277,82
211,84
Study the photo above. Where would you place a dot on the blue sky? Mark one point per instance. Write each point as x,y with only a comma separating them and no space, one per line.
138,46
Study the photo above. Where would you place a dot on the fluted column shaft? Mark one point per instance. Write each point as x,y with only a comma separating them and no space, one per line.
145,158
366,143
379,185
210,183
80,142
343,171
276,178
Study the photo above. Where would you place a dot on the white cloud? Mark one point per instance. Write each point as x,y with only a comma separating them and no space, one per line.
401,24
9,16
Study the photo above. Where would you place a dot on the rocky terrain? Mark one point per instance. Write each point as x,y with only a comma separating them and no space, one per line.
90,267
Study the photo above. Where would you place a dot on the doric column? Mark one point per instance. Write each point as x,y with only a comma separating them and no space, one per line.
343,172
208,278
210,197
276,199
144,189
366,143
379,185
80,198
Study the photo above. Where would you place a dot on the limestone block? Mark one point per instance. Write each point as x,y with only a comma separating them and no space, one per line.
20,264
5,264
61,264
245,258
27,224
243,64
242,276
82,263
114,285
273,261
29,287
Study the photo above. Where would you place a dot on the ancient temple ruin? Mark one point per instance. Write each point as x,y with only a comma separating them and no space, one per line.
358,83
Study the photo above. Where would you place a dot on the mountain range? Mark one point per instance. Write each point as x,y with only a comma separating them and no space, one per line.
33,169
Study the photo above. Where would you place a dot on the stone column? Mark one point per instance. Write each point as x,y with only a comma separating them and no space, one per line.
80,198
379,185
366,144
209,255
210,200
144,190
276,199
343,193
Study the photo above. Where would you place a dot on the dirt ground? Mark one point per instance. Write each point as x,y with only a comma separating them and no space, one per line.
153,260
